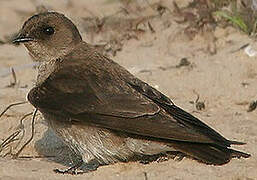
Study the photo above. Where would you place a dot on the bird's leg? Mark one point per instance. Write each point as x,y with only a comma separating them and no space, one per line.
162,158
146,159
176,155
80,168
70,170
90,166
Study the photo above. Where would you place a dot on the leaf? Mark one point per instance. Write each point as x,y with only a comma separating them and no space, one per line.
237,20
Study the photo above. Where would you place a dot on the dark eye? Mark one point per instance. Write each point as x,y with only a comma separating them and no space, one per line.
48,31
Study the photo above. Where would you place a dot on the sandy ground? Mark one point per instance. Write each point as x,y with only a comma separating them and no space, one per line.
224,78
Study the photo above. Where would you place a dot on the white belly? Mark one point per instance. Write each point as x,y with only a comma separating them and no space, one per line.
102,144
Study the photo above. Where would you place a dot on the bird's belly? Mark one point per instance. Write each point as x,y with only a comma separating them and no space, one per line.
92,142
147,147
102,144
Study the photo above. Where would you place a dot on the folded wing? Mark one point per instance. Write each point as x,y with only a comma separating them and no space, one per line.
110,97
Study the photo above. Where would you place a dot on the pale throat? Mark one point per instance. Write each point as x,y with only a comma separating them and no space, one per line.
41,53
45,68
47,57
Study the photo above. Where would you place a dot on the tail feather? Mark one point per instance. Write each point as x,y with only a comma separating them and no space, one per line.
237,143
209,153
239,154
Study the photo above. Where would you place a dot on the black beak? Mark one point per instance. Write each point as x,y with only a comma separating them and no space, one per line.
22,39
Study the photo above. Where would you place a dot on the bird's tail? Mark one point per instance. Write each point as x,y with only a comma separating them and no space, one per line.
209,153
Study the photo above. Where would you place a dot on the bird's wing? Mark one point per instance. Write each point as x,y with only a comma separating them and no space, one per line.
105,98
76,91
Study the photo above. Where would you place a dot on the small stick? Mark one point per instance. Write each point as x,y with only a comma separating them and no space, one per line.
240,48
14,104
26,115
21,126
32,134
9,139
12,137
151,27
145,175
14,76
12,84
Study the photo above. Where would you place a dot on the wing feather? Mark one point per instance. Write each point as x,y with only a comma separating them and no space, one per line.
107,95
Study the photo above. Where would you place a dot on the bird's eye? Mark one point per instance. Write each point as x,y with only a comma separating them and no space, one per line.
48,31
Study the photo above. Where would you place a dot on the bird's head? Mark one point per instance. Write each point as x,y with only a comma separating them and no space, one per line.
48,36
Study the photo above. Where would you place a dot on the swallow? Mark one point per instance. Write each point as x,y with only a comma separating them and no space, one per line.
103,112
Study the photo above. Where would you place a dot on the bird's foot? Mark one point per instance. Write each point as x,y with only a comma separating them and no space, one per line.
162,159
146,159
73,170
79,168
176,155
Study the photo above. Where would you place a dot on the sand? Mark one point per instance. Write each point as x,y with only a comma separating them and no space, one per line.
223,77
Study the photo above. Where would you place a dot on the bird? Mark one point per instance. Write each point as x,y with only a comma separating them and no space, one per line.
103,112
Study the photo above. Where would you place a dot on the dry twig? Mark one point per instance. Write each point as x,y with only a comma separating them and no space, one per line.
13,136
32,135
11,105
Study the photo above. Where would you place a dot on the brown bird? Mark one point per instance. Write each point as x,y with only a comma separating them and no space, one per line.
101,111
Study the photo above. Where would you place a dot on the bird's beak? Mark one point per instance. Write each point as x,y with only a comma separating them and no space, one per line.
22,39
